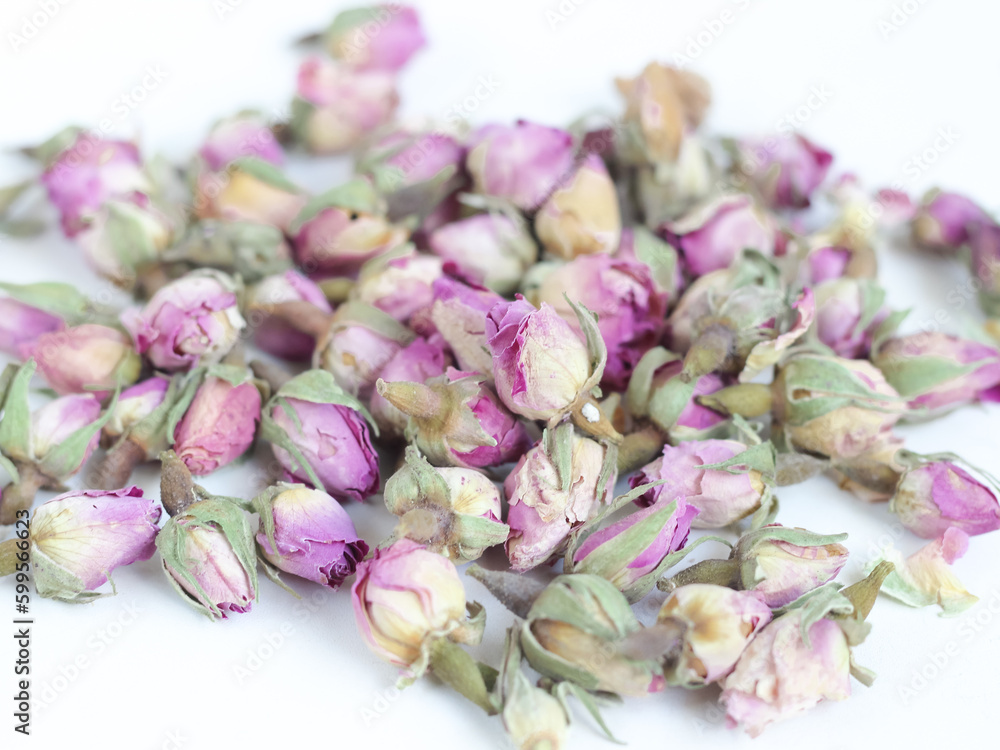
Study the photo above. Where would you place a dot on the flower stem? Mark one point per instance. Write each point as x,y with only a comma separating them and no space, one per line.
20,496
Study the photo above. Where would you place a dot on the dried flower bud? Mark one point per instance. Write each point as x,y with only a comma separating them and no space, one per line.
400,285
85,358
319,434
276,336
533,717
306,533
491,249
582,216
136,404
985,263
826,263
21,325
378,37
246,249
250,189
415,363
454,512
337,106
459,314
405,597
786,170
720,624
522,163
79,537
244,134
192,321
848,312
125,236
946,221
935,495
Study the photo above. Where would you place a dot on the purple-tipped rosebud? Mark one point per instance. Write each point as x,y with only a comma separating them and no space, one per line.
946,221
415,363
491,249
713,235
251,190
522,163
271,333
400,285
630,309
723,479
88,174
582,216
219,425
85,358
719,625
934,371
848,312
377,37
192,321
320,436
338,106
244,134
786,170
459,315
21,325
306,533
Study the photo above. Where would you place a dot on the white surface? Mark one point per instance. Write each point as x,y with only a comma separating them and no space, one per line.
143,670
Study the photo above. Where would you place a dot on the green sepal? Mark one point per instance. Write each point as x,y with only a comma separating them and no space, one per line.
640,386
743,551
49,150
563,690
838,385
254,251
52,581
151,431
263,505
63,300
659,255
357,194
62,461
15,426
453,665
264,171
595,344
9,194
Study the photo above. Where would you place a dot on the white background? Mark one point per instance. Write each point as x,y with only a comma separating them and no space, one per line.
155,674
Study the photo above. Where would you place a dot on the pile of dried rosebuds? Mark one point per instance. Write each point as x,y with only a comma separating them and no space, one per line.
518,316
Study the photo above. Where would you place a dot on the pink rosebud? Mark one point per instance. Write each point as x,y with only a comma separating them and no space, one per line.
416,362
192,321
416,171
545,507
273,335
935,370
713,235
135,404
79,537
379,37
21,325
459,315
985,264
946,221
511,437
339,241
83,357
799,675
848,312
401,287
935,496
306,533
58,419
490,249
245,134
339,106
630,309
218,426
720,622
89,173
540,364
334,440
582,216
721,496
786,170
826,264
403,596
522,163
125,235
251,190
657,392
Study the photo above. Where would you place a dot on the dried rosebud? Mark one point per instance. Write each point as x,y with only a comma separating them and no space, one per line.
667,190
337,106
249,189
452,511
358,343
832,406
935,495
305,532
781,564
946,221
848,312
250,250
89,173
415,363
985,262
582,216
208,555
723,479
377,37
532,717
576,631
459,315
320,436
712,236
547,503
456,420
221,421
271,333
629,308
192,321
124,236
926,578
935,371
79,537
541,366
405,597
136,404
785,170
244,134
340,230
720,624
21,325
804,663
522,163
85,358
662,259
491,249
661,105
826,263
400,285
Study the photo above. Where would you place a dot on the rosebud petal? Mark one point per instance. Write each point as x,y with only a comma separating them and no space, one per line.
935,496
87,356
218,426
